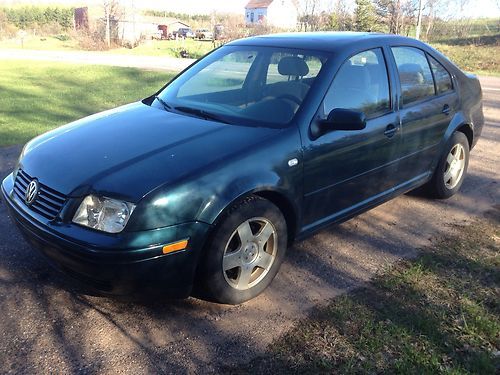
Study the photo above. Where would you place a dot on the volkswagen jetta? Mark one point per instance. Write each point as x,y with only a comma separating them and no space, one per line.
265,140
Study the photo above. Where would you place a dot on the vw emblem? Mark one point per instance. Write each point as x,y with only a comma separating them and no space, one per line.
31,192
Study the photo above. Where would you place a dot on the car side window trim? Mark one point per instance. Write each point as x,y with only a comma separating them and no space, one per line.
389,85
432,73
429,56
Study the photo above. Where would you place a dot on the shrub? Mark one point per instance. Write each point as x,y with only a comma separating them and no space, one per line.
62,37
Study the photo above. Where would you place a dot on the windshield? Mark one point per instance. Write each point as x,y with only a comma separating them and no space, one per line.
246,84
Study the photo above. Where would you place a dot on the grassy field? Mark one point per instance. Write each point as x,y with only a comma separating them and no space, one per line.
474,54
467,54
477,59
37,97
439,313
48,43
195,48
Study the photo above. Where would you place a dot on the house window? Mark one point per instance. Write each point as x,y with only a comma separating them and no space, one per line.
251,17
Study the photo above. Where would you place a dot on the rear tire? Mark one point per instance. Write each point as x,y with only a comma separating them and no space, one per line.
244,253
451,169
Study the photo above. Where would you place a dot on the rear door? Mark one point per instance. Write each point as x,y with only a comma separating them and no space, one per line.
427,104
346,170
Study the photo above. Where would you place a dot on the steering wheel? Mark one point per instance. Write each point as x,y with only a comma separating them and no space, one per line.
290,97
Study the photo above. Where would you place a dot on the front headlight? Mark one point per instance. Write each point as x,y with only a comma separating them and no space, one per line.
105,214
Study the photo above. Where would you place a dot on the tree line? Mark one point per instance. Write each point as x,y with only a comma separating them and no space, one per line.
439,18
179,16
32,16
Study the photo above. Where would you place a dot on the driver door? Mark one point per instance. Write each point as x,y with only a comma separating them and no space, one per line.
345,171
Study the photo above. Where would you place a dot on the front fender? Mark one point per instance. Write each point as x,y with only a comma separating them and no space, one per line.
205,194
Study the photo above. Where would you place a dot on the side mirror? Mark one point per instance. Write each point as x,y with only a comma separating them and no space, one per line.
345,119
339,119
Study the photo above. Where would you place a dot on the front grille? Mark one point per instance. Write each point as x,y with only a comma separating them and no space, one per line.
48,202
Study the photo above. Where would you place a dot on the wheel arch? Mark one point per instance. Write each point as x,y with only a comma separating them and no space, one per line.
469,133
460,122
285,206
276,197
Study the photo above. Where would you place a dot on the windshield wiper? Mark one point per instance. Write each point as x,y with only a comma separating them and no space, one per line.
202,114
165,105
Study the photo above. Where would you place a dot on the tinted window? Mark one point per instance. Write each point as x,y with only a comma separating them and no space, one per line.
414,74
228,73
441,76
361,84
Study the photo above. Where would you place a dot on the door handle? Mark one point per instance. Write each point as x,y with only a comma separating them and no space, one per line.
390,130
446,109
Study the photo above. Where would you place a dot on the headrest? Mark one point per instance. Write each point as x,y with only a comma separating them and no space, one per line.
292,66
411,74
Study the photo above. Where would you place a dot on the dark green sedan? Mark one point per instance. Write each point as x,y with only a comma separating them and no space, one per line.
202,186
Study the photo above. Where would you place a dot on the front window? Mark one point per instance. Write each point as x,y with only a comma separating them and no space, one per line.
361,84
246,84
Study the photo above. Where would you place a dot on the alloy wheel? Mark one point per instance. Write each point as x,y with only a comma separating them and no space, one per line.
455,165
250,252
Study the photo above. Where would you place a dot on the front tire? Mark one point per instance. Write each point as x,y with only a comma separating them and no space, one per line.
451,169
245,252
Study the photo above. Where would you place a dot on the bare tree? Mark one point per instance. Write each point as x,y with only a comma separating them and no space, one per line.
111,11
339,17
431,9
344,19
309,17
396,15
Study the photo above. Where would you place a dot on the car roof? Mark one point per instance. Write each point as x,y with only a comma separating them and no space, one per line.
327,41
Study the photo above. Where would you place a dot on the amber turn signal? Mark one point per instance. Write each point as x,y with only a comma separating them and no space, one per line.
176,246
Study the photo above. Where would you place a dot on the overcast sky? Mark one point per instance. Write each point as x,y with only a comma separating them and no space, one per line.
475,8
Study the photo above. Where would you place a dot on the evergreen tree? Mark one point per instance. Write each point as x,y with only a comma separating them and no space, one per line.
364,15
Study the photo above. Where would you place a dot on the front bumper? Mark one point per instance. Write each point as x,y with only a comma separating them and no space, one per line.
131,263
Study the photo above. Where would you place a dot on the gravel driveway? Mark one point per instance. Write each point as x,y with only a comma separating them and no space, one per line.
47,324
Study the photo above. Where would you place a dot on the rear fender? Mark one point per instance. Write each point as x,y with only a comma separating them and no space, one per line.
458,121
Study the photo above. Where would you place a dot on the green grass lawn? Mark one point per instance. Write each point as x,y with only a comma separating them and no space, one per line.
195,48
439,313
39,96
45,43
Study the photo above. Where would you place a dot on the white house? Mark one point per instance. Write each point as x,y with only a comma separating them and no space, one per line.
279,13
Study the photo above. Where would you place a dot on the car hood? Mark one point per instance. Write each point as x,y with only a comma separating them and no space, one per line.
129,151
